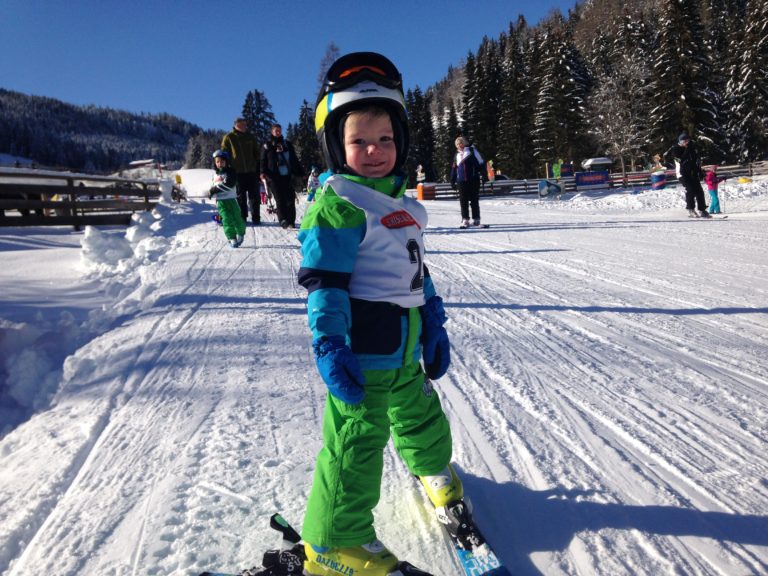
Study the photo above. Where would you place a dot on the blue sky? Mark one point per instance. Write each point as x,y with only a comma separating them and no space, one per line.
197,60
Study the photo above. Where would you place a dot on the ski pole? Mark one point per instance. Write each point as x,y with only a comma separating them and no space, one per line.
722,200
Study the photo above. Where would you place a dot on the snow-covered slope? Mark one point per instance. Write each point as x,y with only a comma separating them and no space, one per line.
608,393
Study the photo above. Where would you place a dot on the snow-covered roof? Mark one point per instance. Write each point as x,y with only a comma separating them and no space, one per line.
601,161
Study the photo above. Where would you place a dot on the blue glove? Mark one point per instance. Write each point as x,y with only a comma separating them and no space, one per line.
339,368
436,349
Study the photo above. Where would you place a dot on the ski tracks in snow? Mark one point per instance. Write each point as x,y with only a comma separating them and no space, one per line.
608,416
173,407
598,383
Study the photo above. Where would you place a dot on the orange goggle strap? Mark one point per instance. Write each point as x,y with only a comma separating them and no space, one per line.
353,72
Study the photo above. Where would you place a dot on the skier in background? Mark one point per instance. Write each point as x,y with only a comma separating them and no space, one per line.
466,172
374,314
224,189
713,182
688,164
313,184
278,164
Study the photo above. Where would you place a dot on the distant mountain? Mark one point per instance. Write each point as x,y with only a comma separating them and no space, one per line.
88,138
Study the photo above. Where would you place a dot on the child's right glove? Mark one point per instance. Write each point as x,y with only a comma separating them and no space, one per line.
339,368
436,349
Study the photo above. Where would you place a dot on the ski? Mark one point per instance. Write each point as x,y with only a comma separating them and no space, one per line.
286,561
470,547
473,551
268,199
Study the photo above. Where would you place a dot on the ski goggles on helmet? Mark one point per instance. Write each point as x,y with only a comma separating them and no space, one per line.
359,67
355,78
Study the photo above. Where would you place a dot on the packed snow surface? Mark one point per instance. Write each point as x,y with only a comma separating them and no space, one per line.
607,394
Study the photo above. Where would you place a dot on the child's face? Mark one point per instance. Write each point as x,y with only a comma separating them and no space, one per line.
369,145
220,162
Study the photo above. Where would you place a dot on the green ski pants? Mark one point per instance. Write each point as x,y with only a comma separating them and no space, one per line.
347,482
231,219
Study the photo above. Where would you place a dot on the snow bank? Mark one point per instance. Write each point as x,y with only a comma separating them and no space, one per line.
33,353
650,200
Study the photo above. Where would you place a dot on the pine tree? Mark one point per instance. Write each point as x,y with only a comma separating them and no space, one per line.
304,139
684,103
258,115
618,105
515,153
748,87
469,100
200,149
575,85
194,155
546,114
487,91
718,22
332,53
445,148
422,136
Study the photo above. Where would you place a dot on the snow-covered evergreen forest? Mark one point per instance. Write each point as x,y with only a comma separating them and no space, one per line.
55,134
615,79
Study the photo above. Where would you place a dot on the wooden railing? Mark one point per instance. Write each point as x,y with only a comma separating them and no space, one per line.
36,198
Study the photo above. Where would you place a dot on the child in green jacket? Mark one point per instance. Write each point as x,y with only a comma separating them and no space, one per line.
374,315
224,189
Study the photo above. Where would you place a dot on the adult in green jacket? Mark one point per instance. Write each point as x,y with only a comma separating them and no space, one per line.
244,151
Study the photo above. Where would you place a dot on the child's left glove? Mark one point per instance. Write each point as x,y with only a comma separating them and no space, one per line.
436,348
339,368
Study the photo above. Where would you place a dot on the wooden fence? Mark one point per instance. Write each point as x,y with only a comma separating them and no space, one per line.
34,198
616,180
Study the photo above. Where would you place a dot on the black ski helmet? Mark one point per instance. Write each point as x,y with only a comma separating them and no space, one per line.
355,81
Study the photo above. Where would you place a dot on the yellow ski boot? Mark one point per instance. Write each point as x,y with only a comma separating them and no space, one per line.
443,488
372,559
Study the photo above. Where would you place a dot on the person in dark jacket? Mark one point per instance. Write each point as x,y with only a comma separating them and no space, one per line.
467,170
688,164
243,150
278,164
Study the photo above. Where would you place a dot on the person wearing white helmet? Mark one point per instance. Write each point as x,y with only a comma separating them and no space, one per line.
224,189
374,315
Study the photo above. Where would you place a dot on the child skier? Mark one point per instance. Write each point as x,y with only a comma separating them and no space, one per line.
712,183
374,314
313,184
225,190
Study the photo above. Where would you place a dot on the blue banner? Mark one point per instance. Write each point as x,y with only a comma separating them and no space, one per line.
597,179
